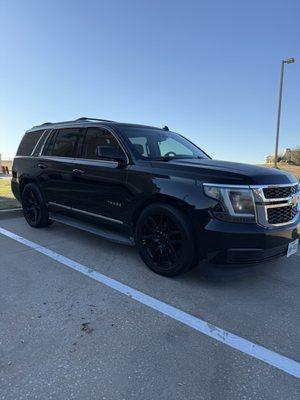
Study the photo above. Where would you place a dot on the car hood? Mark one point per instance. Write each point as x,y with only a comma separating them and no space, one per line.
226,172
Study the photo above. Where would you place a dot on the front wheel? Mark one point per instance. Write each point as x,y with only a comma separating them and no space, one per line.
165,240
34,206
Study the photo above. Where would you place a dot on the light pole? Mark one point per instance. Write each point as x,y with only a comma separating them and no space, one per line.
287,61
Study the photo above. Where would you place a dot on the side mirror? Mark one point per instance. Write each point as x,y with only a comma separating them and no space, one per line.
111,153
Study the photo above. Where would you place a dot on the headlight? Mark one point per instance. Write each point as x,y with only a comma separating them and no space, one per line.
235,204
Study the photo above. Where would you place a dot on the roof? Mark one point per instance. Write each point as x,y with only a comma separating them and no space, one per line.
83,121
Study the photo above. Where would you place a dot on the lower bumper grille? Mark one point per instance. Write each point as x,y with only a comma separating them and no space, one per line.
281,215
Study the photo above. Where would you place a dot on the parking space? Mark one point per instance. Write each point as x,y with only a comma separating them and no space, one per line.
64,335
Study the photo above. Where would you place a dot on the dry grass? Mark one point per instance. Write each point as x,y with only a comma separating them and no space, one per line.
7,199
294,169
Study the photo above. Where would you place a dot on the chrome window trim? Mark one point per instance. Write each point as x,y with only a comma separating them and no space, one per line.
95,163
25,157
85,212
71,160
37,143
44,144
82,161
59,159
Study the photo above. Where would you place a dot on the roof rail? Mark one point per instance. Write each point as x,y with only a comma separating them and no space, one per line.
92,119
75,120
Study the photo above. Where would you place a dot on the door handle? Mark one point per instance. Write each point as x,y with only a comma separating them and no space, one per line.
78,171
42,166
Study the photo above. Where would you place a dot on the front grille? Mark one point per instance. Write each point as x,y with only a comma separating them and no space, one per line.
281,215
280,192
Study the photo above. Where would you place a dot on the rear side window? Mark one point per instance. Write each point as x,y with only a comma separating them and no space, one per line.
28,143
64,143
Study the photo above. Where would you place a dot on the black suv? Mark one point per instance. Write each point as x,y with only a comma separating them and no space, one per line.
152,187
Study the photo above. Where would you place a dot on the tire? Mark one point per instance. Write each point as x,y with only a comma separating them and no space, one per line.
34,206
165,240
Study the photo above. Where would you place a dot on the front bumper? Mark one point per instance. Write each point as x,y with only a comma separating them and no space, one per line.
236,244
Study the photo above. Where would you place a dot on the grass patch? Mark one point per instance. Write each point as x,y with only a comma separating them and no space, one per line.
7,199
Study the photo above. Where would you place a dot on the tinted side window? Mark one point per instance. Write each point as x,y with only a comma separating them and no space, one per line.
28,143
98,137
64,143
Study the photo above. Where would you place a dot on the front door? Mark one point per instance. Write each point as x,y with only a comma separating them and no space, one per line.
99,184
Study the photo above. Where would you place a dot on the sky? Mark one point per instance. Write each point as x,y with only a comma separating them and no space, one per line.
207,69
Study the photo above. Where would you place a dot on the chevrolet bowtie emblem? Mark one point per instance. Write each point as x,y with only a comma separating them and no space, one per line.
294,200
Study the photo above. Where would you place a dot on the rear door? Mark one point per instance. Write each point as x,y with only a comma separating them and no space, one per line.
56,165
99,184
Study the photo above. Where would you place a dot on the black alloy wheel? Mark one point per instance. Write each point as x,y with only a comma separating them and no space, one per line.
34,207
165,240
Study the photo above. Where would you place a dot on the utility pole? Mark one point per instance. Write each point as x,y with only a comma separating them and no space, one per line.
283,62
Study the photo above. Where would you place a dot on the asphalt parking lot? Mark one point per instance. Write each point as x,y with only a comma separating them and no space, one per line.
64,335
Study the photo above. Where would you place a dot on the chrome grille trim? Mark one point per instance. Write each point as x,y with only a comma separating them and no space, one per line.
280,192
263,204
260,193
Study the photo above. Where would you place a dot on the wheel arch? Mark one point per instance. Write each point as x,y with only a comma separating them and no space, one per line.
23,181
160,198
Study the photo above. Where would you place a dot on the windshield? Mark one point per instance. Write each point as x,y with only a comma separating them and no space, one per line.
156,144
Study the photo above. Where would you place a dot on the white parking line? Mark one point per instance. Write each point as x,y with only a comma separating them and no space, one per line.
9,210
270,357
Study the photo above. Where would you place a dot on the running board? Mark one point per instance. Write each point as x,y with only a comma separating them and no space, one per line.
103,232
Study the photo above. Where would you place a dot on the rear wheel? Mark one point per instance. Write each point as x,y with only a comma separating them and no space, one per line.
165,240
34,206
